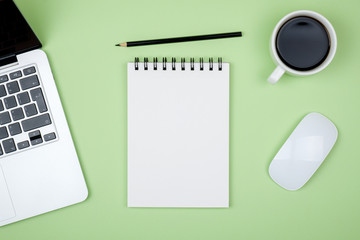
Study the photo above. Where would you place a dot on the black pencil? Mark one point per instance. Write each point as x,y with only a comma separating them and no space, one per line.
179,39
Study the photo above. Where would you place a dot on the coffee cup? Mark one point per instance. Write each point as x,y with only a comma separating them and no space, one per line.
302,43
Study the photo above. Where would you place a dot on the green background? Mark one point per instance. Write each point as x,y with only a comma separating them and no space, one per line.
90,73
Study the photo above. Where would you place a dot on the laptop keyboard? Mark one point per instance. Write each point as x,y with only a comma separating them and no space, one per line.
25,119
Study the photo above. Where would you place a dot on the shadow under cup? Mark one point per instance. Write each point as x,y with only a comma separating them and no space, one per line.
303,43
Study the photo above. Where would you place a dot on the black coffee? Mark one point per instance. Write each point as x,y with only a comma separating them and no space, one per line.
302,43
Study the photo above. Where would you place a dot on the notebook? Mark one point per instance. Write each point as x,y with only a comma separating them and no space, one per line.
178,133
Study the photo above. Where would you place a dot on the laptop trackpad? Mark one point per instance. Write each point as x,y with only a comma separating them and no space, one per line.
6,206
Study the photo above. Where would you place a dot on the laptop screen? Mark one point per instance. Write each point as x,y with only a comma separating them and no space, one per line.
16,36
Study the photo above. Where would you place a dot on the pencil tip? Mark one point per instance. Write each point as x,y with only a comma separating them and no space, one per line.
121,45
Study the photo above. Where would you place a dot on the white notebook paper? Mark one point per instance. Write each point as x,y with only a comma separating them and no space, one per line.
178,135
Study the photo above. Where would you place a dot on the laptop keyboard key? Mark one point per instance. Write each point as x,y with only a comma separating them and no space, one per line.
4,78
13,87
15,75
10,102
36,122
36,141
28,71
22,145
30,110
1,106
35,138
17,114
9,145
2,91
1,152
4,118
14,129
23,98
34,134
49,136
36,95
29,82
4,133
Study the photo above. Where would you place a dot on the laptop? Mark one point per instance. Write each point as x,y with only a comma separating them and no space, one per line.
39,167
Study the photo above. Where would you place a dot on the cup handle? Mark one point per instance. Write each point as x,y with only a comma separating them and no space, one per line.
276,75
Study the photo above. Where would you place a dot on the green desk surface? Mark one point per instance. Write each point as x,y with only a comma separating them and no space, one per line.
90,73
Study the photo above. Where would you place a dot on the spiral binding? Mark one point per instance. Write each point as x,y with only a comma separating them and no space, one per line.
146,60
155,63
136,63
182,64
173,63
164,63
192,60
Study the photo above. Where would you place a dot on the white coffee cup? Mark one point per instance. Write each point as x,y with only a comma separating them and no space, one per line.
281,66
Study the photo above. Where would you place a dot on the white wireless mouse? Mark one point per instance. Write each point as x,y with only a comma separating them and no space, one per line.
303,152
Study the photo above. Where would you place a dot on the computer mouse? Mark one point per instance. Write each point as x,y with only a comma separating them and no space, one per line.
303,152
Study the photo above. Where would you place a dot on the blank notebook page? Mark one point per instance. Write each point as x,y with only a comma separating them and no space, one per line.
178,136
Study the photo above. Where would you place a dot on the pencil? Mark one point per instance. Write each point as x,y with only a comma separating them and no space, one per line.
179,39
